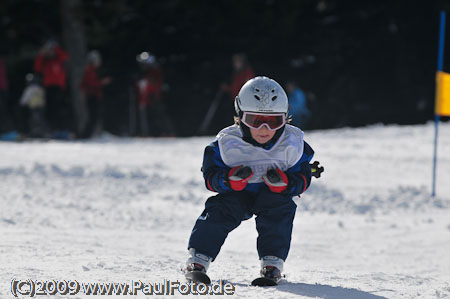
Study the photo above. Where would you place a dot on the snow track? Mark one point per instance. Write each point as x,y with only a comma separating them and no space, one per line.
122,209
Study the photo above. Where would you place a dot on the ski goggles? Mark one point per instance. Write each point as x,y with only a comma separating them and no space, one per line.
257,120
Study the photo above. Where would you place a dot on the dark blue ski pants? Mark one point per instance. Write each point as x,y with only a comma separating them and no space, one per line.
224,212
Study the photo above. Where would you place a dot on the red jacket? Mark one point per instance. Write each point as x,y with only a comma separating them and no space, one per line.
239,79
52,69
91,84
149,87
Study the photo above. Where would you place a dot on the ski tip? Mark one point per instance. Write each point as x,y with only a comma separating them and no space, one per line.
264,282
198,277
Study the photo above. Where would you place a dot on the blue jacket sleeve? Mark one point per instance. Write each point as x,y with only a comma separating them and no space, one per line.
214,169
299,175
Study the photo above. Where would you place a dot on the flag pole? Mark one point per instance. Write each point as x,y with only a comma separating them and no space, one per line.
436,116
436,126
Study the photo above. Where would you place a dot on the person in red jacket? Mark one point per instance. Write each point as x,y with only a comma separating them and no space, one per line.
242,72
92,88
153,119
50,64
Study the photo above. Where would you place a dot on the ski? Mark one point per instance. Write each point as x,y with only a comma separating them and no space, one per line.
264,282
198,277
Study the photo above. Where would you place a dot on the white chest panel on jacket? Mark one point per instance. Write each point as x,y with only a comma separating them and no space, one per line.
285,153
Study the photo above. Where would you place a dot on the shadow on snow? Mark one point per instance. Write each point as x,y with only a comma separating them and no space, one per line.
325,291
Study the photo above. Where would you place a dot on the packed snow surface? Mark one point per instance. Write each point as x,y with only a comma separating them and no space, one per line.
121,210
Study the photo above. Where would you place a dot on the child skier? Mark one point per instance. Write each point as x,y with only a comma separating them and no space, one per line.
256,166
33,97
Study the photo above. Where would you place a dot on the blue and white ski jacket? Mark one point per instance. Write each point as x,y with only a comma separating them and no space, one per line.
290,153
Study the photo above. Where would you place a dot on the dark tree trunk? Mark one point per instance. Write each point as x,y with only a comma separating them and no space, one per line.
75,43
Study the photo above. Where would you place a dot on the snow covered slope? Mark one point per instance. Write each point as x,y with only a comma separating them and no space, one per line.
121,210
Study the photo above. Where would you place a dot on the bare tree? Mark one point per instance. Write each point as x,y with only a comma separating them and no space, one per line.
75,43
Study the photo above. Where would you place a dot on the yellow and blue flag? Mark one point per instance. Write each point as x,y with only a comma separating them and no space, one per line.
442,106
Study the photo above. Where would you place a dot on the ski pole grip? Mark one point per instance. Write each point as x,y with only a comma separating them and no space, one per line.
316,170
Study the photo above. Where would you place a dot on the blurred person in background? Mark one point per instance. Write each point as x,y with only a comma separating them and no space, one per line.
50,64
242,72
152,115
297,105
92,88
33,98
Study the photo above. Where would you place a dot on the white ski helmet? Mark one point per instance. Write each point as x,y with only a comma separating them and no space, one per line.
146,58
261,94
94,57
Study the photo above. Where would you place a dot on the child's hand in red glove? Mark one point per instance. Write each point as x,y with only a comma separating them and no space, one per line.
239,176
276,179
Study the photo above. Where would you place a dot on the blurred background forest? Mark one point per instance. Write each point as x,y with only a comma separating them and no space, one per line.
358,62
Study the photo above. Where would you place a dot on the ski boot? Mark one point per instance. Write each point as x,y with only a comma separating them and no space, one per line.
196,267
271,267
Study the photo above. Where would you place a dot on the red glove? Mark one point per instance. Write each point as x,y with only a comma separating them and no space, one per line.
239,176
276,179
